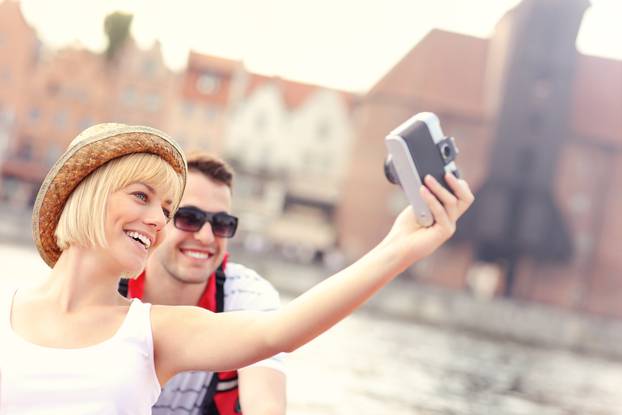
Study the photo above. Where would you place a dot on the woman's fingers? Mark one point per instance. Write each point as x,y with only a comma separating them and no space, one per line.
449,201
447,207
438,211
462,191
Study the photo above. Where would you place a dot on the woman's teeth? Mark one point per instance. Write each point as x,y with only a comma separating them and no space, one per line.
140,238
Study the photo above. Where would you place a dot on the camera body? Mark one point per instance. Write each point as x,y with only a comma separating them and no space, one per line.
415,149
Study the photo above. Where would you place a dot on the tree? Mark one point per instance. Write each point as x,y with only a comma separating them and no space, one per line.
117,28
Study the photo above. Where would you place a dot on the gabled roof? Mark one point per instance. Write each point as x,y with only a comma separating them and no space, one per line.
294,93
447,70
221,68
201,62
11,9
444,69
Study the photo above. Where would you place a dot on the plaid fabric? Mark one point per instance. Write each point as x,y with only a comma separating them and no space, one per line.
183,394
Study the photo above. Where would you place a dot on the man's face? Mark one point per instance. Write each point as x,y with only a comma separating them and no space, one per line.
192,257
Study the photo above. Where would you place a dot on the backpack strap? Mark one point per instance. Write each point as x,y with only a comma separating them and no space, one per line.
124,287
208,407
220,289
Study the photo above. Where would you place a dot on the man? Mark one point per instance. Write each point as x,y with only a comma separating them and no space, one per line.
190,268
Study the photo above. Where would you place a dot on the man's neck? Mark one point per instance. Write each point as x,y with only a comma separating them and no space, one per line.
163,288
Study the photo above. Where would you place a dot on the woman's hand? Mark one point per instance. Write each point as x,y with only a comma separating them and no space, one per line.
417,241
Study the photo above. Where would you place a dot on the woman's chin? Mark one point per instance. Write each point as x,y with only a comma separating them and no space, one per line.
133,271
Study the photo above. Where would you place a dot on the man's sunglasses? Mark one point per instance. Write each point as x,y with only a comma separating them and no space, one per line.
192,219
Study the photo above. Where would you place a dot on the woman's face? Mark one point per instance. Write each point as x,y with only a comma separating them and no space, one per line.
135,216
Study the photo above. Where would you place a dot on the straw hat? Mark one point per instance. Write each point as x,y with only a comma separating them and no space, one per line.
88,151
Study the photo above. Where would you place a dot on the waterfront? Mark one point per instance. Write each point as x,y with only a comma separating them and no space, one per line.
370,364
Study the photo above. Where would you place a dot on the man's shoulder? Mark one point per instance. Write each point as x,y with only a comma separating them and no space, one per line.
240,275
246,289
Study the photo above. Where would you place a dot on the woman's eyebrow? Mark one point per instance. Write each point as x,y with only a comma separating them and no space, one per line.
153,191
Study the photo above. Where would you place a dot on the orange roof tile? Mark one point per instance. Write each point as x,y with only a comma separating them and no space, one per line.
198,61
222,68
12,10
444,69
32,171
294,93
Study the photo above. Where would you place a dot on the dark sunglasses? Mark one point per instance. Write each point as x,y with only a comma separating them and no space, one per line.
192,219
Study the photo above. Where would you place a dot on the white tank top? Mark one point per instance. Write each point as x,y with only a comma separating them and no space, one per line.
116,376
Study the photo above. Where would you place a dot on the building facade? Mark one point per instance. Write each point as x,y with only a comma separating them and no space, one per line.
467,81
289,141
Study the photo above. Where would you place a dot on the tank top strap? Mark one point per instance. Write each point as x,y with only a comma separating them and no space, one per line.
137,325
6,303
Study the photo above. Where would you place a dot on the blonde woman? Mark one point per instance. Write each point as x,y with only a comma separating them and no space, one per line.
72,345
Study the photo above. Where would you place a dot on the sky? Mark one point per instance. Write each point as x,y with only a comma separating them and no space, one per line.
343,44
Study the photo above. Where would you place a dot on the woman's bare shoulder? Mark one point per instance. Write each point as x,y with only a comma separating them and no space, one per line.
167,316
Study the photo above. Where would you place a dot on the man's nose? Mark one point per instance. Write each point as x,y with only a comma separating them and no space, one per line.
205,234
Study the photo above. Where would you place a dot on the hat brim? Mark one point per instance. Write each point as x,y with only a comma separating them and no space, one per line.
82,159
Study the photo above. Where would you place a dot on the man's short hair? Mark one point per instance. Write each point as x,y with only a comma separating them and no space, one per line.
211,167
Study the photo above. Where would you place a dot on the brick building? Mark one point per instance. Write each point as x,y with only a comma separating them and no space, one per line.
289,140
19,56
199,117
461,79
290,143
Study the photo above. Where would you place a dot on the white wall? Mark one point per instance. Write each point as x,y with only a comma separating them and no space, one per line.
255,130
313,139
323,132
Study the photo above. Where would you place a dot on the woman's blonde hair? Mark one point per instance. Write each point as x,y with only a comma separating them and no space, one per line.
82,220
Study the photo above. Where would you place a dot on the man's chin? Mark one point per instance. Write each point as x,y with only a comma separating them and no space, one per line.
196,273
193,279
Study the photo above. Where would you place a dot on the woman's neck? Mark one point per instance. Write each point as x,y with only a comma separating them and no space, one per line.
82,277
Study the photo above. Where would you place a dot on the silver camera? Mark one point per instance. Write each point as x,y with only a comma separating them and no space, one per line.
415,149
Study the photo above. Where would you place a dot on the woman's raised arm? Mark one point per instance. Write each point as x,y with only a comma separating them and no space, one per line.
188,338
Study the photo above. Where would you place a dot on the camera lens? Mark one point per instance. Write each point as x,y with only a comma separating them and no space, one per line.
389,171
446,151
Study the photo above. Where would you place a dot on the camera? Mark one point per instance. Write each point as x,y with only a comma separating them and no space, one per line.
415,149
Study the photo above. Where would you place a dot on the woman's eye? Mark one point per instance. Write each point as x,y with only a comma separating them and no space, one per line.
167,214
140,195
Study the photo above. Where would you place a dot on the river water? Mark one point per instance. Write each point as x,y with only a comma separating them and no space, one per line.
369,365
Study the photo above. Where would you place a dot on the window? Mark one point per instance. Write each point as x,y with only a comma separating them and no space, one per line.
36,52
327,163
181,139
211,112
152,102
7,115
53,88
24,151
34,115
309,161
5,74
207,84
149,68
187,108
77,94
85,122
53,153
60,120
128,96
323,131
10,184
260,121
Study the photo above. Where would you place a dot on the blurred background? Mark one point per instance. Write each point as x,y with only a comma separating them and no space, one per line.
520,313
